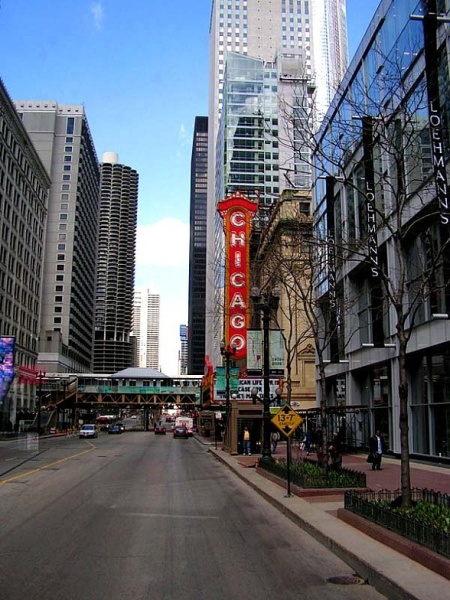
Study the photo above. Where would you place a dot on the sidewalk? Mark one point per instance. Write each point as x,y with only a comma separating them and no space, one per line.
321,515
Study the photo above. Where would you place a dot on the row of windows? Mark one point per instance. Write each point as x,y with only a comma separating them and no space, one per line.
16,161
65,187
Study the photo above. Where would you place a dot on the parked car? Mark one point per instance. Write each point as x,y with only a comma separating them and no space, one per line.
115,429
180,432
121,425
88,431
160,429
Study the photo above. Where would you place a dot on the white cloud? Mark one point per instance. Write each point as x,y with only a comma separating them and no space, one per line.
163,244
98,13
182,133
162,259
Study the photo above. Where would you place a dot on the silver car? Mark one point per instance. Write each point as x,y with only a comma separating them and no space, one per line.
88,431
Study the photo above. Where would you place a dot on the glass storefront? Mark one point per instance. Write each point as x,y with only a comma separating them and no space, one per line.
430,404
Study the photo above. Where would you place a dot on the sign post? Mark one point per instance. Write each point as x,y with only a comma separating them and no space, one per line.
287,420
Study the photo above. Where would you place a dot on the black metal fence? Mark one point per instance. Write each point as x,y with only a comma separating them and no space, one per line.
307,474
352,423
379,507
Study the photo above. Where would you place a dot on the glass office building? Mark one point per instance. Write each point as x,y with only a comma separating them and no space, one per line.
382,218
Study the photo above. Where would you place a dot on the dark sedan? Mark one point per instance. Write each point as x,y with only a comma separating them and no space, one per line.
160,429
115,429
180,432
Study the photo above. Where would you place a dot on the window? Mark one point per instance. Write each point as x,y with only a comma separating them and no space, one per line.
68,158
66,177
60,278
67,167
69,140
65,187
63,217
68,148
70,125
60,267
57,320
58,298
59,288
61,257
64,206
65,197
61,246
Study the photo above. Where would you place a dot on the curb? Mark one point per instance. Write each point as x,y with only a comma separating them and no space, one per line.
361,552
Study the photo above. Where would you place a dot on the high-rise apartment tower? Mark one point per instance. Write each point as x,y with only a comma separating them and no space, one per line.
113,349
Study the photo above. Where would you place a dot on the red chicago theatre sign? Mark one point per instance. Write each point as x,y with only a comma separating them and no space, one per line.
237,212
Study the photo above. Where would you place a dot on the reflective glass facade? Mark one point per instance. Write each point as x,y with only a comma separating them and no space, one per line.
381,177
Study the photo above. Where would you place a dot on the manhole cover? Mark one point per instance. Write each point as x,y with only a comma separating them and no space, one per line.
346,580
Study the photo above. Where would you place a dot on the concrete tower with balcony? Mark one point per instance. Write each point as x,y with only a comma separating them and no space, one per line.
113,348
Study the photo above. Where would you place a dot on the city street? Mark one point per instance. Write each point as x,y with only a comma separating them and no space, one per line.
136,516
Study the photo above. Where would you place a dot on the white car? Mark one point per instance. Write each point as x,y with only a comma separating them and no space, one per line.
88,431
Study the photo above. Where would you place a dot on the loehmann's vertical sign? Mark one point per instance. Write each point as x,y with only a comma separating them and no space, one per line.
372,243
430,26
237,212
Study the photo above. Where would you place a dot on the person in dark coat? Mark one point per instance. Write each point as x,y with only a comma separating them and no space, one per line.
377,447
318,439
334,451
308,441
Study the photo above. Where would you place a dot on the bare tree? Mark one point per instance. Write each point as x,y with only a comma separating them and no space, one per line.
291,258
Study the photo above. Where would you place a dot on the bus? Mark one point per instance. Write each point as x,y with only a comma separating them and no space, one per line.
185,422
105,421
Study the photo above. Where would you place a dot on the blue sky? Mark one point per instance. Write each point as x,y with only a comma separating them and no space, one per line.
140,68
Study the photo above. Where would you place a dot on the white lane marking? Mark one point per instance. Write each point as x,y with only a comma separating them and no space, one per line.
165,515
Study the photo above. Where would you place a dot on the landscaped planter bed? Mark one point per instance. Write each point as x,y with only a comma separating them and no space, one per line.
309,475
427,523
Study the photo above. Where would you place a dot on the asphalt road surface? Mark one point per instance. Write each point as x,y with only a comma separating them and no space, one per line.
139,516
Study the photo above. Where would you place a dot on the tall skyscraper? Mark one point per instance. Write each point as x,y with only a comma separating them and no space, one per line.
329,50
61,136
24,186
113,349
146,319
277,54
197,248
183,357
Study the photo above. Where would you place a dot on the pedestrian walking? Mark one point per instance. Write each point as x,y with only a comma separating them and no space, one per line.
274,439
377,447
247,442
334,451
308,441
319,446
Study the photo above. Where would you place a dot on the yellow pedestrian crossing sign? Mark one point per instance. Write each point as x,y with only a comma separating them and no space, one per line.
287,420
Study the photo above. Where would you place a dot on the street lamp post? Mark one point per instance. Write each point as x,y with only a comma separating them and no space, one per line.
266,303
40,376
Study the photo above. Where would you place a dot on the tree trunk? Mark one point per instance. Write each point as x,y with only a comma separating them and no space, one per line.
323,412
404,430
